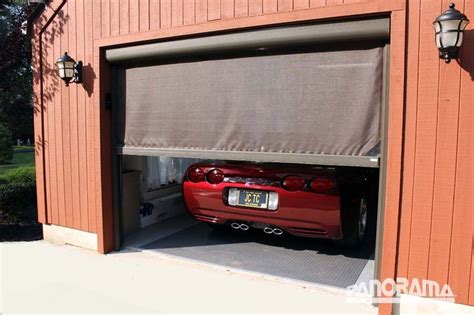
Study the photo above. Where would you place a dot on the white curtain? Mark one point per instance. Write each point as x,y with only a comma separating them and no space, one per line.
161,171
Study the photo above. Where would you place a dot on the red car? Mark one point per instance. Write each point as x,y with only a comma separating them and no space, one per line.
308,201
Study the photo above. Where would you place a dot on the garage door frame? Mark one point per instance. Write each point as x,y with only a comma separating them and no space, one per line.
396,92
122,55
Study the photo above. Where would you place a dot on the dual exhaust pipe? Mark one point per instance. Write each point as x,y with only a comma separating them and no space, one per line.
266,230
240,226
271,230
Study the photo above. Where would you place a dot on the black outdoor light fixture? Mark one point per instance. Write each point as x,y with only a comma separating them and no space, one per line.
69,69
449,28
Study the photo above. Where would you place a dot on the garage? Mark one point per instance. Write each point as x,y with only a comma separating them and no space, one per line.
157,93
299,99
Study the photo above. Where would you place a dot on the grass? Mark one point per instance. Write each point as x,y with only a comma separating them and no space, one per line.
22,224
19,159
23,147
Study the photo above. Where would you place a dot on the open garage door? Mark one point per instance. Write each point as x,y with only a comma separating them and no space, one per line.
310,94
281,99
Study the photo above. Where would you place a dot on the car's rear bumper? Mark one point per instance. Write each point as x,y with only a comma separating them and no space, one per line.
300,213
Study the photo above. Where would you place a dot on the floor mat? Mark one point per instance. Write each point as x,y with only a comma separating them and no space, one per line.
287,256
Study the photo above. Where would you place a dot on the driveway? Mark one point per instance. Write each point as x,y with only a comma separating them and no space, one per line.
39,277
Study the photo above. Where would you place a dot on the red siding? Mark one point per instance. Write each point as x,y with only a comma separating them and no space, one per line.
74,131
437,227
154,14
462,246
241,8
255,7
270,6
214,10
134,15
317,3
301,4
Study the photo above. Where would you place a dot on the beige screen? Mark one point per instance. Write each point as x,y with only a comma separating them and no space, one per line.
326,103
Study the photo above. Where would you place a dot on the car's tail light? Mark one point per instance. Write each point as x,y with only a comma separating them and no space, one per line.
196,175
293,183
321,185
215,176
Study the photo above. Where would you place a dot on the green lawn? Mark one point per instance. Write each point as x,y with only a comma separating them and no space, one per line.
23,147
19,159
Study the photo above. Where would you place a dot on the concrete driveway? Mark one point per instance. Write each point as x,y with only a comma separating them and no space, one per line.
39,277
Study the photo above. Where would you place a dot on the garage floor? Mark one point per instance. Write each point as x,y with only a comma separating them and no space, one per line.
310,260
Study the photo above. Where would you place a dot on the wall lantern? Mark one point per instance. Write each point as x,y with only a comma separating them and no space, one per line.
69,69
449,28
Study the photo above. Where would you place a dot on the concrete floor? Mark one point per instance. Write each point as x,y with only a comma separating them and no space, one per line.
38,277
308,260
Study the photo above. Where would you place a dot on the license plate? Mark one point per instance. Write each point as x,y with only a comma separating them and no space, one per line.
253,199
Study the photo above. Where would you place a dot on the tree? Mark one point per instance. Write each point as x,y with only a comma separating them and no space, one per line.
16,110
6,144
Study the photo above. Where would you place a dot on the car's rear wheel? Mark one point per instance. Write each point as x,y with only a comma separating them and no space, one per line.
354,215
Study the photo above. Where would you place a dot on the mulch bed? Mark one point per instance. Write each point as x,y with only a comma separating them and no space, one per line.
18,232
14,229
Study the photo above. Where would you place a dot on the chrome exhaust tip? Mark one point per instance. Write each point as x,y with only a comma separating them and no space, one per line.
277,231
235,225
244,227
271,230
240,226
268,230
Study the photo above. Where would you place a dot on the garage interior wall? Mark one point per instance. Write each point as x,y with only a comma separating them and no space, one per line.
436,229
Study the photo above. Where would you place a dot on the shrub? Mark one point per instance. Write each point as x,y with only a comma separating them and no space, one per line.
24,174
18,201
6,144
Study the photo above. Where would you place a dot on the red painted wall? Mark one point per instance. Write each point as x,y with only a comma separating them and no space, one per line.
437,222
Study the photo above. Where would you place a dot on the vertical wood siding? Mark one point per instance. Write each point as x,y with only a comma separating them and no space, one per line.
436,230
437,223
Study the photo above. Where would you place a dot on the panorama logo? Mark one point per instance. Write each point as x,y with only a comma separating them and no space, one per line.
389,290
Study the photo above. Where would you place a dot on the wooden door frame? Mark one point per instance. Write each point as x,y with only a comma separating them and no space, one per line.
389,238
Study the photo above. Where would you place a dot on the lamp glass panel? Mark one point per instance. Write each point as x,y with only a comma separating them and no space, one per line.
60,65
62,73
69,73
69,64
449,39
438,43
450,25
437,27
461,35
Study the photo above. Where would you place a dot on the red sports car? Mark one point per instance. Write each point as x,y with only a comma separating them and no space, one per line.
309,201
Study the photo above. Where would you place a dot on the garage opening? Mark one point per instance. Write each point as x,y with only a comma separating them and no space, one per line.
163,225
259,150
